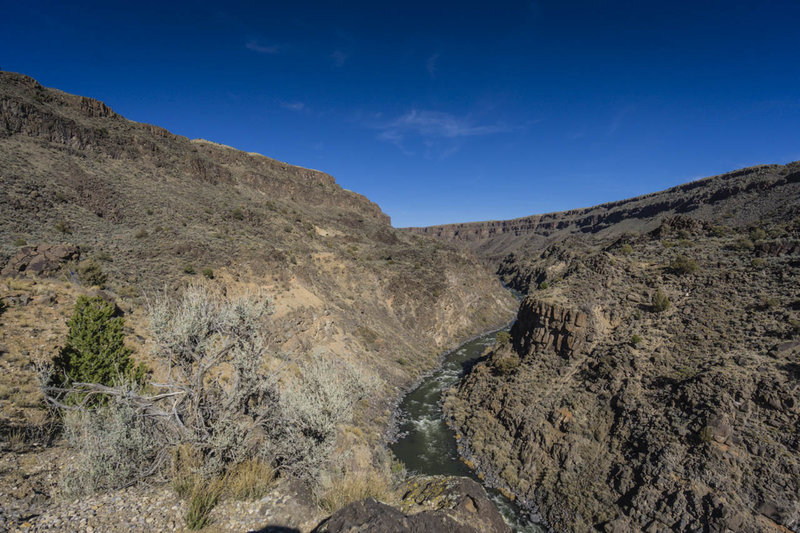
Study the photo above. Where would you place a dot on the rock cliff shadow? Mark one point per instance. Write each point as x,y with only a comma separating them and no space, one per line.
275,529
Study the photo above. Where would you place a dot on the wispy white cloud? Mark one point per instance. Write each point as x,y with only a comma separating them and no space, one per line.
255,46
338,58
437,124
293,106
440,133
430,65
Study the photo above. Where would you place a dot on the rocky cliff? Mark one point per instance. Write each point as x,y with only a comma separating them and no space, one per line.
651,382
741,197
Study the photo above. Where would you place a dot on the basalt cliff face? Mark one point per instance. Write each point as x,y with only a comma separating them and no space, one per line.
739,198
652,379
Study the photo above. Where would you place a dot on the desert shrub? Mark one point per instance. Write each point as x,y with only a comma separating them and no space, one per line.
90,273
141,234
20,242
189,269
757,234
686,372
660,301
95,351
683,265
743,244
506,365
757,263
200,335
115,446
128,291
208,273
768,302
637,315
313,405
104,256
63,227
720,230
636,340
237,214
544,285
217,414
503,337
626,249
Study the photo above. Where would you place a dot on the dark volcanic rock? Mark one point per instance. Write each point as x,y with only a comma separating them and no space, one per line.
370,515
454,505
606,415
42,260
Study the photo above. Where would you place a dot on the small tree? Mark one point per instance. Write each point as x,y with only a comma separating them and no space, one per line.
95,351
503,337
660,301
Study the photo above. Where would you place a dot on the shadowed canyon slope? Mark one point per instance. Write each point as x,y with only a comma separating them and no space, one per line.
652,379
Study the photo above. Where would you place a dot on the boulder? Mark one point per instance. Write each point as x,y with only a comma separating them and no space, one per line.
436,503
42,260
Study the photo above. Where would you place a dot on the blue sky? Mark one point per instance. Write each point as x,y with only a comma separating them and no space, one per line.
444,111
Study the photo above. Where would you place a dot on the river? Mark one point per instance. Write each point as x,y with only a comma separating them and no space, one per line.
427,446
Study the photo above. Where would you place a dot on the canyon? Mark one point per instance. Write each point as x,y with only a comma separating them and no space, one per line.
650,381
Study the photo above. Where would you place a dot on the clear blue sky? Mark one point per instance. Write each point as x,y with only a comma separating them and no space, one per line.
444,111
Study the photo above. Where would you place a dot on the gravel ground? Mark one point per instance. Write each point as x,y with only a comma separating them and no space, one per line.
25,507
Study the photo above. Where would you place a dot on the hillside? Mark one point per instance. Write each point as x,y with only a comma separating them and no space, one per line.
90,197
151,207
615,409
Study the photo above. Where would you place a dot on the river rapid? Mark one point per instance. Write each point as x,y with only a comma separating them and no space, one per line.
428,447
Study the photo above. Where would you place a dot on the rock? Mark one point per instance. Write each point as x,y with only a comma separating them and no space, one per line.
371,515
42,260
436,503
684,432
775,512
460,497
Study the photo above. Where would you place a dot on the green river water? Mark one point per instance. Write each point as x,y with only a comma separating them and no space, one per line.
427,446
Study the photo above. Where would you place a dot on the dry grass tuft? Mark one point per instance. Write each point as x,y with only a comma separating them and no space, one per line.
249,480
202,500
355,486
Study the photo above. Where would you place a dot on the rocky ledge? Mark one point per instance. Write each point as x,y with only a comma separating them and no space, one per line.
436,503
